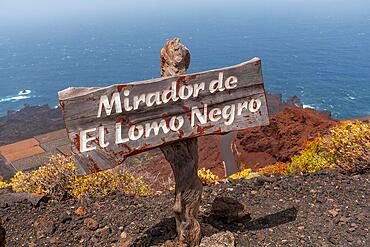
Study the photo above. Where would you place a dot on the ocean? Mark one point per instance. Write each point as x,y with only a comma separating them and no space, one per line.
316,50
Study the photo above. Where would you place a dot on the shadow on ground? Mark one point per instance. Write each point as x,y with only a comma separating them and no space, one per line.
211,224
245,223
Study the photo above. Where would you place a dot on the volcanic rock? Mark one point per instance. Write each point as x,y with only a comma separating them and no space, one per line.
221,239
91,224
9,199
227,207
103,232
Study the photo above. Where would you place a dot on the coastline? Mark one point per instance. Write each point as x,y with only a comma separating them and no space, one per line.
40,119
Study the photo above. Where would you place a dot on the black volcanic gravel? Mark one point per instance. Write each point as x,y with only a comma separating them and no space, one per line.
322,209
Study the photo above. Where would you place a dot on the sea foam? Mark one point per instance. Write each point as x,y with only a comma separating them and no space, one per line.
14,98
24,92
308,106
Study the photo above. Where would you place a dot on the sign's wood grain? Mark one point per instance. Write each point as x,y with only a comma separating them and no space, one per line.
108,124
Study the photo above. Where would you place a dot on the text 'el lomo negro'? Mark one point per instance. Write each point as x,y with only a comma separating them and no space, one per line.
120,103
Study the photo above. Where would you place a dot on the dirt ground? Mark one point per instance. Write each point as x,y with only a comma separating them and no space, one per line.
322,209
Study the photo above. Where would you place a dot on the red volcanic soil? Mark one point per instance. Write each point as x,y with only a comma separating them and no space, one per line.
256,147
284,137
209,154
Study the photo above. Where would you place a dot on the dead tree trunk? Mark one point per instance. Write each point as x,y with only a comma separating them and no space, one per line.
183,157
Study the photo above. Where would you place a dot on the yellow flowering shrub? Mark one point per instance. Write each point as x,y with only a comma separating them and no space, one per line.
3,184
346,147
311,159
106,182
244,174
53,179
59,179
349,146
206,176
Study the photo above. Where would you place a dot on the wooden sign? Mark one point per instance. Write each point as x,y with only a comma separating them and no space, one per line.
108,124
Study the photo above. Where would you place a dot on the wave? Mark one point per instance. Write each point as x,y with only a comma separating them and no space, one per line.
308,106
14,98
24,92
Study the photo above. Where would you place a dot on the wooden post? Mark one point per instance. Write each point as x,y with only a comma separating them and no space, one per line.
183,157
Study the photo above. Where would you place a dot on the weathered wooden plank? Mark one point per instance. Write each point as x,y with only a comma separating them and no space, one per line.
182,107
87,99
157,113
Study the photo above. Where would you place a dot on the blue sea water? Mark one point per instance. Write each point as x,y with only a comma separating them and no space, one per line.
317,50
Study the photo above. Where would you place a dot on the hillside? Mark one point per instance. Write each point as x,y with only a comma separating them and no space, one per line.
321,209
325,208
